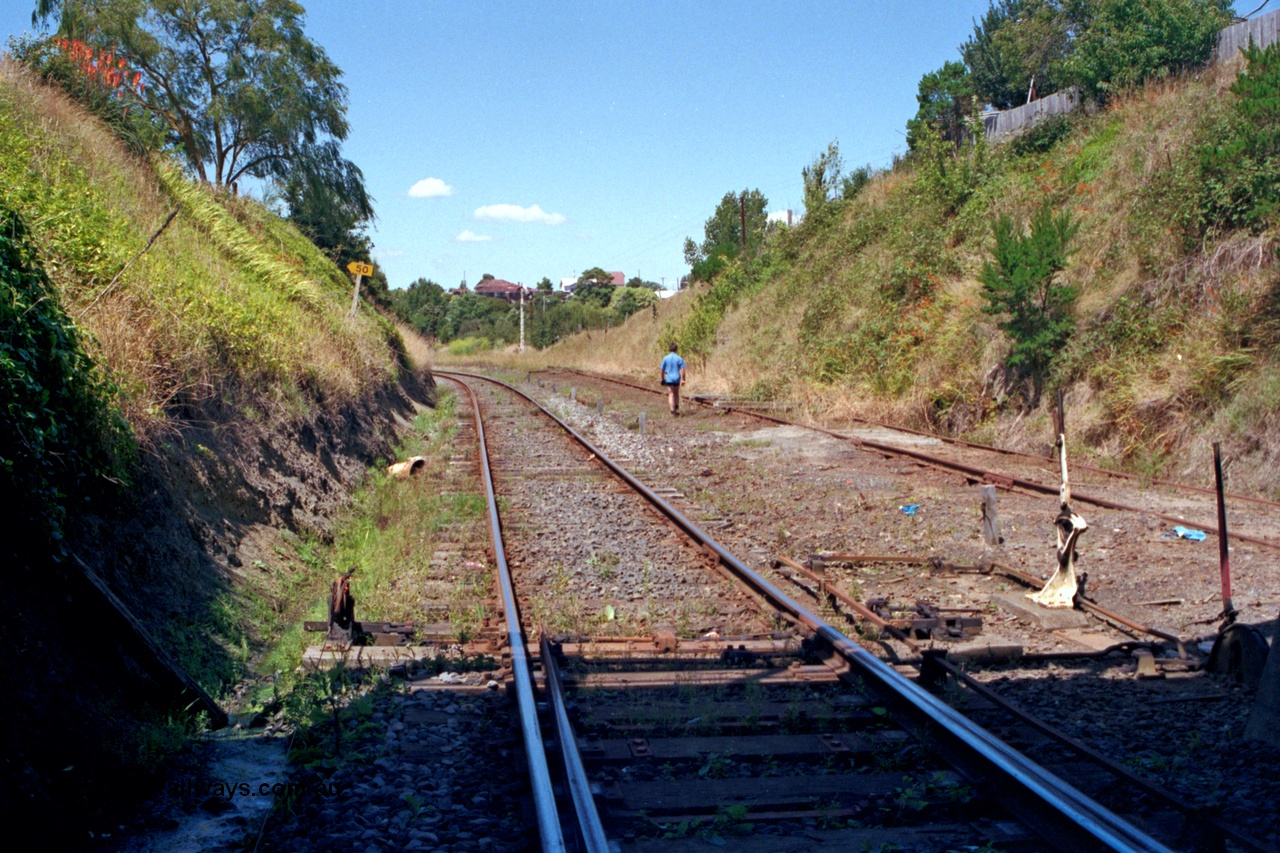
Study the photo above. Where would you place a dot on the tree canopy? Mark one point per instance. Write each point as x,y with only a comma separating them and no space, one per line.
244,93
946,102
1017,49
722,232
822,178
1123,42
596,286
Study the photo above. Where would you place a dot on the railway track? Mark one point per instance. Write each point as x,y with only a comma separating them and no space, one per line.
801,730
1255,520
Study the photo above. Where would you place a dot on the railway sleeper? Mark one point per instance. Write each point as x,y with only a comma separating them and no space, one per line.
735,716
784,797
750,748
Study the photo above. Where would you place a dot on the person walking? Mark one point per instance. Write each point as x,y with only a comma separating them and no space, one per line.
672,371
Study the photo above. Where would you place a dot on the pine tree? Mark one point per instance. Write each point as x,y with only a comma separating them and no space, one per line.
1019,284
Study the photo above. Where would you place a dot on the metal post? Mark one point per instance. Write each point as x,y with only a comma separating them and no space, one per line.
522,318
1224,560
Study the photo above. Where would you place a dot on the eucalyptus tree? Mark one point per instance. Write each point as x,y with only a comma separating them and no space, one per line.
241,88
244,93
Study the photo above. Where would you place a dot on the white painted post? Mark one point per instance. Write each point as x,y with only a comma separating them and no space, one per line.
642,423
355,295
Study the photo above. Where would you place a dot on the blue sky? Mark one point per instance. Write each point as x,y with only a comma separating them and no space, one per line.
531,139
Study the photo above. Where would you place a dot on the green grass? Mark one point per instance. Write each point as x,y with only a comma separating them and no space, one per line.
229,301
394,528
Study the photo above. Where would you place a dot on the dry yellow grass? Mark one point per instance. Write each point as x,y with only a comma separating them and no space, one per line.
628,350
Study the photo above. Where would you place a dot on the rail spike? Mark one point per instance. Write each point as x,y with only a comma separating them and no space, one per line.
1060,591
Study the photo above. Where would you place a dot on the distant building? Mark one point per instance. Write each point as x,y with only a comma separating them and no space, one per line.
617,279
500,289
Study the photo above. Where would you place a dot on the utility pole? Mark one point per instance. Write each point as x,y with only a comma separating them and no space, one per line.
522,318
742,214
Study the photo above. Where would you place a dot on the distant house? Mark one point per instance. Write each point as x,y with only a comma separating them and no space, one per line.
617,279
500,289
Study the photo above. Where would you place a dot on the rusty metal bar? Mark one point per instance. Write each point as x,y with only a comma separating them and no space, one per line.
535,753
1036,583
850,602
1062,815
163,666
1224,560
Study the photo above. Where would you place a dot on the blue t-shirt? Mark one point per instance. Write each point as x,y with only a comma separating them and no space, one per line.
671,367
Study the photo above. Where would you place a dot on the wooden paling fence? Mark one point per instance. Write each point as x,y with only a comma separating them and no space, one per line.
1262,31
1008,122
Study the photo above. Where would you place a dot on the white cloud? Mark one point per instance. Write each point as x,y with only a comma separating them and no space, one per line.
430,188
469,237
388,254
516,213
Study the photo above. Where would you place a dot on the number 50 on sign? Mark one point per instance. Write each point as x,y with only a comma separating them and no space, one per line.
357,268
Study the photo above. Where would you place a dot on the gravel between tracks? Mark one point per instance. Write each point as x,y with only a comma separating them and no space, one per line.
590,556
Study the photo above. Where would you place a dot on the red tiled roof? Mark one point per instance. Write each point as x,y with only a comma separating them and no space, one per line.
497,285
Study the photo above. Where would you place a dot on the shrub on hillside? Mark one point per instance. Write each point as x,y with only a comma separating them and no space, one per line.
1121,43
1240,167
1020,285
59,437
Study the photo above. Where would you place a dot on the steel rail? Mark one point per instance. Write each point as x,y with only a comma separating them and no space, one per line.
995,478
946,439
584,804
1191,812
1061,814
548,816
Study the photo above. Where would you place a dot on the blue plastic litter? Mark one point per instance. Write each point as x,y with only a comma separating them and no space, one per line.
910,509
1186,533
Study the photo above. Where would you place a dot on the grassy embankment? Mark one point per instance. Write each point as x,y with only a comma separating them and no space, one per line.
873,306
229,315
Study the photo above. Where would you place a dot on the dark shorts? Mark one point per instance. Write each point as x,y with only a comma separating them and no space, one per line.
675,384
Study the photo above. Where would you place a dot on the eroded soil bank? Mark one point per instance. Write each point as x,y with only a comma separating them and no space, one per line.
198,549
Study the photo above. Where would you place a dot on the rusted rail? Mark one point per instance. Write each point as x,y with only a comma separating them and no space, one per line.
1062,815
983,475
958,442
